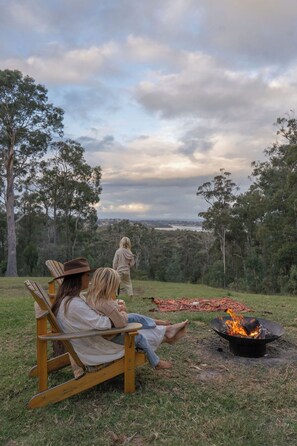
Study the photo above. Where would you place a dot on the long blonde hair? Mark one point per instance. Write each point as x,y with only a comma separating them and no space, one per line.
104,285
125,242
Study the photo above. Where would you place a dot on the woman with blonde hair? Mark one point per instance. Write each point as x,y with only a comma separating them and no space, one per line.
123,260
101,297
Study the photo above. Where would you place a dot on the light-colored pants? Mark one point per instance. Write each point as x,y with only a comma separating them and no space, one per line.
126,284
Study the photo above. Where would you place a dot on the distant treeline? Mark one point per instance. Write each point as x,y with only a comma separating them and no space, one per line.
178,256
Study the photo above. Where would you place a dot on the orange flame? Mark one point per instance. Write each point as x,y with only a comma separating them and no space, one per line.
235,326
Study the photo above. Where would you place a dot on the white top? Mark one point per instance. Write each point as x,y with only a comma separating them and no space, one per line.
96,349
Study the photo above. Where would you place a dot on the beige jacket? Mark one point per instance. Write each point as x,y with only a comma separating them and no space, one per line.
123,260
110,309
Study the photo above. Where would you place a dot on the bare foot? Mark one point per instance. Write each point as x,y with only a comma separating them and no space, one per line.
178,335
162,364
172,330
160,322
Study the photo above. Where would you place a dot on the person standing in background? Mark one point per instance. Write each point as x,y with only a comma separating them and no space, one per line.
123,260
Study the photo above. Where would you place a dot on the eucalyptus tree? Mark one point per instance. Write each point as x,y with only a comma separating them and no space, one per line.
69,189
219,193
247,217
275,180
3,239
27,124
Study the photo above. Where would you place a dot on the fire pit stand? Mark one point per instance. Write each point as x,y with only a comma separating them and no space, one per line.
247,346
247,350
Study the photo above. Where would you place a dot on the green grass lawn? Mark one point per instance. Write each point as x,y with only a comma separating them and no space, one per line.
209,398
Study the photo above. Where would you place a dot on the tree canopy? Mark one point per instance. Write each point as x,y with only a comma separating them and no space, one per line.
261,238
27,123
58,192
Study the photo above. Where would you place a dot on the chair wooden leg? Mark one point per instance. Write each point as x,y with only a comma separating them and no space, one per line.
129,365
73,387
42,356
42,365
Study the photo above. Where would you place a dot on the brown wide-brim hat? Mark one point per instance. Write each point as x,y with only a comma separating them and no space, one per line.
76,266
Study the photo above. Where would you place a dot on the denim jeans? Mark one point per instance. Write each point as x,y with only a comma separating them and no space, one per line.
140,341
145,321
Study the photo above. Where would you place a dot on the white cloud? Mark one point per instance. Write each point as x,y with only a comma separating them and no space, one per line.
149,51
75,66
208,89
132,208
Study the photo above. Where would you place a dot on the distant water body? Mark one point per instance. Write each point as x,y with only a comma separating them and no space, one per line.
181,228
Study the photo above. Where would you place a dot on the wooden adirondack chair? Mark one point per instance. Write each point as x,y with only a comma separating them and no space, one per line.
89,376
56,269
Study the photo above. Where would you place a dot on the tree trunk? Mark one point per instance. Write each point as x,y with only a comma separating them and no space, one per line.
222,237
67,223
75,239
224,258
55,220
67,234
11,270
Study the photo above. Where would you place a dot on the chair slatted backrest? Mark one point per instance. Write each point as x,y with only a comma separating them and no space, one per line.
56,269
42,300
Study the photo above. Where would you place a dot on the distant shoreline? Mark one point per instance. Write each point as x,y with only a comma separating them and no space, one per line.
181,228
159,223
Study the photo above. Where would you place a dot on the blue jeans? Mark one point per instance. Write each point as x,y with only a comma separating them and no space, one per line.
145,321
140,341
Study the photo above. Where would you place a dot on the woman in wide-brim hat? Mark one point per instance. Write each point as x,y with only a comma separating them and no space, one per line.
74,315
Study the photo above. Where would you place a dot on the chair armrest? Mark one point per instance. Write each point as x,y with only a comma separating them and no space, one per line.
132,327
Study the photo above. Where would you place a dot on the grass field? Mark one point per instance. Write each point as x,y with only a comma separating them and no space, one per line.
209,398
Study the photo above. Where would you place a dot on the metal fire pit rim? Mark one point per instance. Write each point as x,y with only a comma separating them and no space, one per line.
247,340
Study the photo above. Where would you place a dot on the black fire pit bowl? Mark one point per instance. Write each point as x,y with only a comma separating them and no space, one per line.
245,346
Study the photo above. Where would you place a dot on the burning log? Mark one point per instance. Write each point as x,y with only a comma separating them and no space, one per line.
252,327
238,325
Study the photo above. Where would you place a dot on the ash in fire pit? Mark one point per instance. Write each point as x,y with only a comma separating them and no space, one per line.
247,336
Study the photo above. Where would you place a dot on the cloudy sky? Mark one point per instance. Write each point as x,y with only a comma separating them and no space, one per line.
161,94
